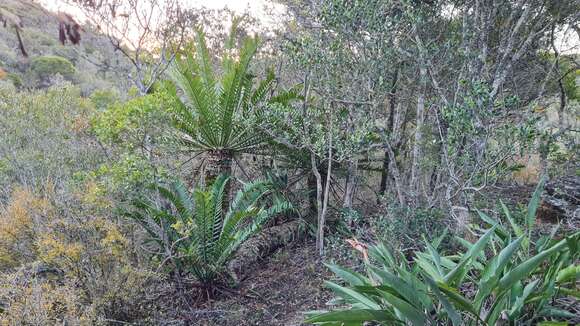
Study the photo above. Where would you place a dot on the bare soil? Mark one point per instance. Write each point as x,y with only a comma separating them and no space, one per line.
277,292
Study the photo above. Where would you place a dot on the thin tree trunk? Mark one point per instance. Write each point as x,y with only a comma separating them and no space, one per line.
390,123
322,198
396,175
311,184
417,146
384,174
322,220
319,190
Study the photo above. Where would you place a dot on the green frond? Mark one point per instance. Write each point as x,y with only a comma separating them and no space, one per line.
263,88
205,66
202,235
214,110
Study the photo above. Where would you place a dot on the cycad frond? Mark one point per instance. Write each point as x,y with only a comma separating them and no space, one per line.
204,64
201,234
213,108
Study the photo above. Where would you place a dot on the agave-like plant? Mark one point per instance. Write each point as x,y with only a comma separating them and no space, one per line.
195,235
214,105
504,278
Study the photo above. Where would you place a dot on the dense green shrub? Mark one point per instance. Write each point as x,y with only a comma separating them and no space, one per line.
196,235
43,136
128,123
44,67
506,276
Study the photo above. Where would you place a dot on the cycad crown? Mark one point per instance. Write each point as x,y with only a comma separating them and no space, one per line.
213,109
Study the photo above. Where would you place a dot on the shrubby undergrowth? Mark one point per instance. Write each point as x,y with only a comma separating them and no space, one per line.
506,276
384,119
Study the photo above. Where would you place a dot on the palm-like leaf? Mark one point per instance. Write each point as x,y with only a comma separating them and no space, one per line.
212,106
199,232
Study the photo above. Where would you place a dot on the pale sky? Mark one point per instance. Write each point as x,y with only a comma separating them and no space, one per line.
255,7
268,13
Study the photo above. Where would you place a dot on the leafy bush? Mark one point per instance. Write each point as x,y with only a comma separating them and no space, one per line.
128,123
504,277
402,226
102,98
42,136
45,67
197,235
18,228
90,261
15,79
42,302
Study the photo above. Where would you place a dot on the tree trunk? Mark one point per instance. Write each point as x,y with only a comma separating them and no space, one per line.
384,174
322,220
390,124
217,163
319,190
322,198
311,185
414,185
396,175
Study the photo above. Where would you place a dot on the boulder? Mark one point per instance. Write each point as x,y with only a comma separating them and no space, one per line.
560,201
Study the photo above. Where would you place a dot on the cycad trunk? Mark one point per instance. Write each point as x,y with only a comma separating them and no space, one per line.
351,180
217,162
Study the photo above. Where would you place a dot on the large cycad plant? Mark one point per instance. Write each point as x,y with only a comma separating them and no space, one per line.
193,233
214,105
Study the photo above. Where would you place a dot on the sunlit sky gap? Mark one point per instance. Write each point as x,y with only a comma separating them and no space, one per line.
269,15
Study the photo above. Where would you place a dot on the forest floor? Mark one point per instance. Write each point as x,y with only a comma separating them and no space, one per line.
278,292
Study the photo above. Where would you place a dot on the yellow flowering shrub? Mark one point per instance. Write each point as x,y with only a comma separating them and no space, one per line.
38,302
18,227
52,248
97,278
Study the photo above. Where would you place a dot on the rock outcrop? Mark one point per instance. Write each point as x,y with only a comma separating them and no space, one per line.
561,202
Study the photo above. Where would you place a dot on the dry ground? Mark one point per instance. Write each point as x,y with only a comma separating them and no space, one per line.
277,292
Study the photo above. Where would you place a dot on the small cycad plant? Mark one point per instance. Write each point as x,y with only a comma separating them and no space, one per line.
505,278
195,235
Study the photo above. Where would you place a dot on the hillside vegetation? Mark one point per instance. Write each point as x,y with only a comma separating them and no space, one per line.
96,65
365,163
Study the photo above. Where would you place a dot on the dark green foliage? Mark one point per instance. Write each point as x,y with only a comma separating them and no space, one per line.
48,66
215,104
102,98
129,122
15,79
195,235
504,277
